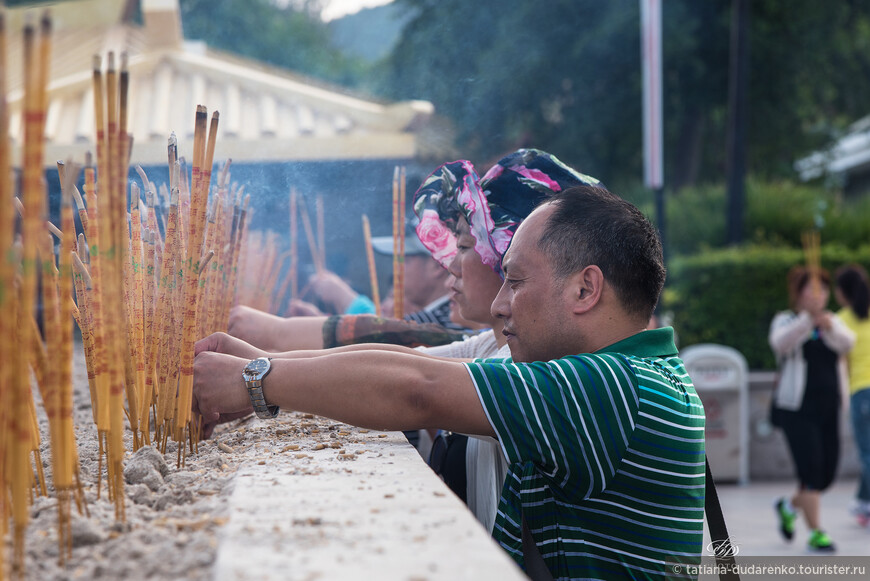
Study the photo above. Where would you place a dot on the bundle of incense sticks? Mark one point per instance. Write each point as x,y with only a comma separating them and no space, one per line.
317,256
262,264
16,436
812,254
22,343
175,289
291,280
140,298
108,257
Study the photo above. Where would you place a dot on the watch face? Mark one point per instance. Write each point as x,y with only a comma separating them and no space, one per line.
257,367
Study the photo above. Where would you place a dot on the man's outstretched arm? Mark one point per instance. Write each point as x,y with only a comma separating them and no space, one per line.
374,389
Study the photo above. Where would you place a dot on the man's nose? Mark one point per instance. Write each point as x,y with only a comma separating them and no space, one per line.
500,307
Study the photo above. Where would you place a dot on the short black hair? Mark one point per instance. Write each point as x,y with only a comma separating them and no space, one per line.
591,225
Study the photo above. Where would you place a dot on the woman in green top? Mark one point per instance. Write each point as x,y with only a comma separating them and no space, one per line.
853,294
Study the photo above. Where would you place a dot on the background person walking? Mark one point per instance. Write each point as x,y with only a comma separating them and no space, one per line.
809,342
853,294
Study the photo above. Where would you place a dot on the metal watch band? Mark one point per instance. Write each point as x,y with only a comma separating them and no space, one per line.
254,382
263,410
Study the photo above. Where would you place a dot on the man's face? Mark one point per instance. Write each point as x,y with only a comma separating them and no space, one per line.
535,309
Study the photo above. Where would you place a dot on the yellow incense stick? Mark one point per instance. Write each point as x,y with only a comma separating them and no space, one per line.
309,235
370,256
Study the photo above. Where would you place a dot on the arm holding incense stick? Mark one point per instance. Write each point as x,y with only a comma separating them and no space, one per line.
272,333
338,294
389,390
229,345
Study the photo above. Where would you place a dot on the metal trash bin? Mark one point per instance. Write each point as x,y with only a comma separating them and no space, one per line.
721,378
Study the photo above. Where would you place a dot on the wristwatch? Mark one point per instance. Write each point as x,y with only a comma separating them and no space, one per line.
253,375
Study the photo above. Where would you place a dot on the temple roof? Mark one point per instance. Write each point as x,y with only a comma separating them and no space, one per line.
266,113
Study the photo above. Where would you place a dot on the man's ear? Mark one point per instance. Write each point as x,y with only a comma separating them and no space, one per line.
586,287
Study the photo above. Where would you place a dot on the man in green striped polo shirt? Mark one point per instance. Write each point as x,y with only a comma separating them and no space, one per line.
599,421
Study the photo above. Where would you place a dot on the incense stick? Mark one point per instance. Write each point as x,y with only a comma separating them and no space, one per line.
398,242
370,256
399,298
321,229
309,235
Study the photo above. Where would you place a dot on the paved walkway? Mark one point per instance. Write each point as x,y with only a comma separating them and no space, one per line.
753,526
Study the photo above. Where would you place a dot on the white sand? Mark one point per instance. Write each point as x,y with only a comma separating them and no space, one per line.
172,520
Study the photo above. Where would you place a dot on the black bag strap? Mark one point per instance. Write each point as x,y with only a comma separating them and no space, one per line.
722,548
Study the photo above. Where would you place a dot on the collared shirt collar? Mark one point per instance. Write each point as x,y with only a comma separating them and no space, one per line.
651,343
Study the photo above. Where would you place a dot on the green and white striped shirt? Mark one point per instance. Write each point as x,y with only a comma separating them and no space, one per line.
606,454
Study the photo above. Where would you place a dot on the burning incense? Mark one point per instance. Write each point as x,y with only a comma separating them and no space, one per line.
215,242
64,452
166,288
309,235
137,314
83,282
148,298
294,247
291,281
80,205
370,256
400,297
199,197
11,379
100,402
398,242
21,435
33,198
812,253
108,267
321,229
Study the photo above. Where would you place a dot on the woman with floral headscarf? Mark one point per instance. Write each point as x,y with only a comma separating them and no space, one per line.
467,223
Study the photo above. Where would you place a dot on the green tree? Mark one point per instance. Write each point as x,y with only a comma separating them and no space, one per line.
565,76
291,37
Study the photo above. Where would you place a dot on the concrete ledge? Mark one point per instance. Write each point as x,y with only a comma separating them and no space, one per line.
349,504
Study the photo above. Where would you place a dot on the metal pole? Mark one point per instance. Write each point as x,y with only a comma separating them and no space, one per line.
738,105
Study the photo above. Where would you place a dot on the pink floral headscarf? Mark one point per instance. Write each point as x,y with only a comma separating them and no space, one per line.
494,206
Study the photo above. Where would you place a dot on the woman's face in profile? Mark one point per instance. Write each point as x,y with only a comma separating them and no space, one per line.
475,284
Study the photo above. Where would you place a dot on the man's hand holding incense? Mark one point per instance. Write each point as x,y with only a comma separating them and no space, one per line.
219,392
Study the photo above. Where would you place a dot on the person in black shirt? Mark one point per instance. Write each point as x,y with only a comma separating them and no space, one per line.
810,343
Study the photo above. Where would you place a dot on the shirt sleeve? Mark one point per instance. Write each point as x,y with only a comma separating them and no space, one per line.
788,331
481,345
573,418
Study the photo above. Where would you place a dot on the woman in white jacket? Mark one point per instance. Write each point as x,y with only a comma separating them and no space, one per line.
810,343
